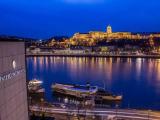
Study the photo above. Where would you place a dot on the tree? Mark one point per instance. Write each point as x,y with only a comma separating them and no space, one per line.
43,116
33,116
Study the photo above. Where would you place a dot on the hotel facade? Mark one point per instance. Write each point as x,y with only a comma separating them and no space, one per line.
13,91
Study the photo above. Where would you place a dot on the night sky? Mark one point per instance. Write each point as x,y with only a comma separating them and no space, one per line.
47,18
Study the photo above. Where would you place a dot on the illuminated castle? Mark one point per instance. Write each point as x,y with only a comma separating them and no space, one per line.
94,36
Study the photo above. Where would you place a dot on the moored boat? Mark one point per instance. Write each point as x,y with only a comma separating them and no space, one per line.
104,95
83,91
75,90
34,85
35,82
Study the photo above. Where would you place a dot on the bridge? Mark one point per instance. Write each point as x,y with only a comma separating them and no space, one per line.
116,113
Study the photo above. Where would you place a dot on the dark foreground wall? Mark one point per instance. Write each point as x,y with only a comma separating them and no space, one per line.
13,93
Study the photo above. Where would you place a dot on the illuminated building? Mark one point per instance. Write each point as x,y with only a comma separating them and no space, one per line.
93,37
151,41
52,42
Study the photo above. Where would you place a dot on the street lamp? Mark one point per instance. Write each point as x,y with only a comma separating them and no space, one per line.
117,110
149,114
30,100
42,100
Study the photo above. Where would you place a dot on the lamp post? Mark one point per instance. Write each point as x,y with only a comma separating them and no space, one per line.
117,110
128,106
42,101
149,114
30,100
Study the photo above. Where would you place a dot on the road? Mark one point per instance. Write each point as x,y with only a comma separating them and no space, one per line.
118,113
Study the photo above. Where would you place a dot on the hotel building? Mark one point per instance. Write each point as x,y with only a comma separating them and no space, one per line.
13,91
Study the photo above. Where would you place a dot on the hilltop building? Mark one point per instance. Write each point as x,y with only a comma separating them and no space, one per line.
93,37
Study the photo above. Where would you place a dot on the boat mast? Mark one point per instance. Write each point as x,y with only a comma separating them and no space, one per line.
104,85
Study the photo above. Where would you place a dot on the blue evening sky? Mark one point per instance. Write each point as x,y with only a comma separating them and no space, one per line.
46,18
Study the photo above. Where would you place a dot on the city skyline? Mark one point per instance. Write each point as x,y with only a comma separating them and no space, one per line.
79,59
43,19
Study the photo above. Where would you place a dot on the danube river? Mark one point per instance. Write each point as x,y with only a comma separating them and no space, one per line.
137,79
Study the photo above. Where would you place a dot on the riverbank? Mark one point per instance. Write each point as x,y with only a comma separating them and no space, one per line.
93,55
96,113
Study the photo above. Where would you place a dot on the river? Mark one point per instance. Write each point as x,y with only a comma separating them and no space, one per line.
137,79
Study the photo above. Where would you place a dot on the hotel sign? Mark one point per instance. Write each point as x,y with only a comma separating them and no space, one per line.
11,74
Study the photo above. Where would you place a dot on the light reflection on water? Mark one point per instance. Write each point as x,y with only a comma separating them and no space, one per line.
137,79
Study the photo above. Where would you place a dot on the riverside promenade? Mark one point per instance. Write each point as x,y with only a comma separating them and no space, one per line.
125,114
92,55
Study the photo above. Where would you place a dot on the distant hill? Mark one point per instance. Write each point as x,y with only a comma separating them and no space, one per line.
59,38
6,37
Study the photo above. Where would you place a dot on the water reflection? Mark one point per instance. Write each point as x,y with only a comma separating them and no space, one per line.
137,79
